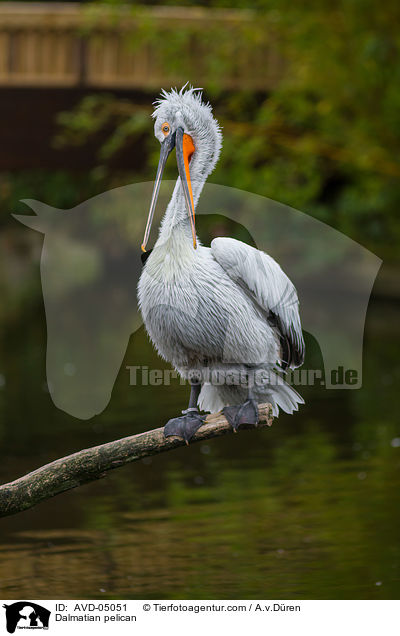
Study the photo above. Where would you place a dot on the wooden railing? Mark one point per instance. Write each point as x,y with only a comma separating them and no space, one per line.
66,45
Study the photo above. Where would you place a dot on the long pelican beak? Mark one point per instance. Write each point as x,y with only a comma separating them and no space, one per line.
184,150
166,147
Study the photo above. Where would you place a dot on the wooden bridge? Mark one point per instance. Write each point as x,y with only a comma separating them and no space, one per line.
68,45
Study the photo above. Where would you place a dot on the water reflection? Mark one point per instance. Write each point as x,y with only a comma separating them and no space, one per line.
306,509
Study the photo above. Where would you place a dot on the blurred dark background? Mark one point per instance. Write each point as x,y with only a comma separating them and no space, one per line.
308,95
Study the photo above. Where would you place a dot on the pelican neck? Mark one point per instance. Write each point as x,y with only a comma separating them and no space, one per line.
176,218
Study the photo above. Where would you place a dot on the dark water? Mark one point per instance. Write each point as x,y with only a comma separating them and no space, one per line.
306,509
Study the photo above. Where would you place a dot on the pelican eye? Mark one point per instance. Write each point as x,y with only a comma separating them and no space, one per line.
165,128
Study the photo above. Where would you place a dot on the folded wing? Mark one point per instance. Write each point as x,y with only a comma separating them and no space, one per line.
266,283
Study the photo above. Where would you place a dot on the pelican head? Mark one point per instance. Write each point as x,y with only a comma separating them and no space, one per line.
183,121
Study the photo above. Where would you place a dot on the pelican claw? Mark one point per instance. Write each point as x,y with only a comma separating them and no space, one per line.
185,426
246,413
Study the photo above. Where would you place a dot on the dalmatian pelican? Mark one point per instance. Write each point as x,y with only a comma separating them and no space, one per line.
225,316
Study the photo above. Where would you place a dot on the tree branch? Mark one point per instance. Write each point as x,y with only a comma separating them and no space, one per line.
93,463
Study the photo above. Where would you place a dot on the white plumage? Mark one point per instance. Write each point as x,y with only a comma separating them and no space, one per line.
230,308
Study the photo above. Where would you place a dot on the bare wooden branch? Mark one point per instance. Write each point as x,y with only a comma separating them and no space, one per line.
93,463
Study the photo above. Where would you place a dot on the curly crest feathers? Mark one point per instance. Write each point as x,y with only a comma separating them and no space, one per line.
186,108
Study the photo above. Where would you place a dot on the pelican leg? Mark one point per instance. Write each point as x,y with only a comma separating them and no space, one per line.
190,421
246,413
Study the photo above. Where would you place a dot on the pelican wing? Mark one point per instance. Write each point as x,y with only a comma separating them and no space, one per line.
262,278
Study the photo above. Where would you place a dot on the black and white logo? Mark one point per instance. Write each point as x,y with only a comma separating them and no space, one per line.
26,615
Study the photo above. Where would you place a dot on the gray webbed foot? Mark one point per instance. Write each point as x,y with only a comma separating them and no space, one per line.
184,426
246,413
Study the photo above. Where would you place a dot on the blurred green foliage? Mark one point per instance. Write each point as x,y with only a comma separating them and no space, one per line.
326,140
